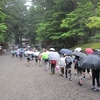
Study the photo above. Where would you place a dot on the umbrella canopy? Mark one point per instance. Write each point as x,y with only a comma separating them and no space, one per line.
21,50
66,51
78,49
53,55
89,51
97,53
36,53
80,54
90,62
29,52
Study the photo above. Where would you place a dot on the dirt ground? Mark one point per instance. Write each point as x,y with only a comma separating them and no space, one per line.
20,82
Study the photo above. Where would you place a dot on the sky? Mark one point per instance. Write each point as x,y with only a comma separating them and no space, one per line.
28,4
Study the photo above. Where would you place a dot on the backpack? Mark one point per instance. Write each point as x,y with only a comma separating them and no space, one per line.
79,66
53,62
68,60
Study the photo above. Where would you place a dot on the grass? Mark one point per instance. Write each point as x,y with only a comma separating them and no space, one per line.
94,45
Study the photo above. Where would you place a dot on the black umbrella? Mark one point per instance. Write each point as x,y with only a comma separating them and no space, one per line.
90,62
80,54
97,53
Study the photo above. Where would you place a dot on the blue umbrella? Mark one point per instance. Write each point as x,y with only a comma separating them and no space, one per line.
66,51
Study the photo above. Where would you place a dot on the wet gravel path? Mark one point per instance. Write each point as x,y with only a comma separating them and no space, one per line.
19,82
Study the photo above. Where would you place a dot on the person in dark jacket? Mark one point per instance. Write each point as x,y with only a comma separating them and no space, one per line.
96,76
79,70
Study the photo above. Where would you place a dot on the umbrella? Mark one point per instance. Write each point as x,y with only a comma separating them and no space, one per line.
97,53
53,55
36,53
66,51
90,62
21,50
89,51
78,49
80,54
29,52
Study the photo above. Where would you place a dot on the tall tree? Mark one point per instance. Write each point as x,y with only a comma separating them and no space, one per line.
15,19
3,27
94,23
75,23
49,29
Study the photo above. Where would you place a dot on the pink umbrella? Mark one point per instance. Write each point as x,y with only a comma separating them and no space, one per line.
89,51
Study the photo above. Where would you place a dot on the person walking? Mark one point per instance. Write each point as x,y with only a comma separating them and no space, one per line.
45,57
79,70
28,59
88,71
68,66
53,58
95,76
36,54
13,53
75,65
21,55
62,64
5,51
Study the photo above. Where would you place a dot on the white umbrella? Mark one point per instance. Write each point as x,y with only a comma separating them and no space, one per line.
36,53
78,49
54,55
29,52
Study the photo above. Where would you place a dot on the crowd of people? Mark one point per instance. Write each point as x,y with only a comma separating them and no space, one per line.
53,60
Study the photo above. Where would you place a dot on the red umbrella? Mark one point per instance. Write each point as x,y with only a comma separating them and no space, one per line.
89,51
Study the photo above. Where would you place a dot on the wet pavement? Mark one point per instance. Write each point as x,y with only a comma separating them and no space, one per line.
20,82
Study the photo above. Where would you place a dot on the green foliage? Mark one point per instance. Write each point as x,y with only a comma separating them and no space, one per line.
57,22
96,36
93,45
94,22
75,21
3,27
15,20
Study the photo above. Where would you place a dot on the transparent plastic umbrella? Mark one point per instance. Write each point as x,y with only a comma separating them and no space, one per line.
54,55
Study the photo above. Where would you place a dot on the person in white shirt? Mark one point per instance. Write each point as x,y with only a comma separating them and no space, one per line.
61,64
